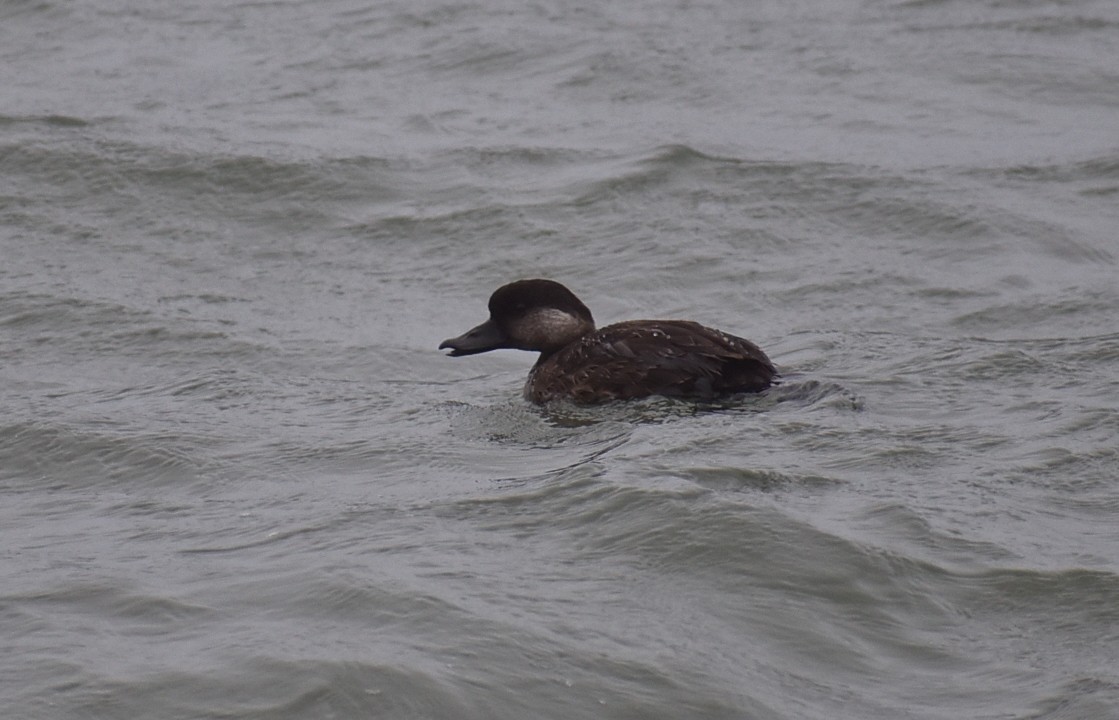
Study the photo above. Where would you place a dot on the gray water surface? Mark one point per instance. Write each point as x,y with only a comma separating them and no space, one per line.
239,481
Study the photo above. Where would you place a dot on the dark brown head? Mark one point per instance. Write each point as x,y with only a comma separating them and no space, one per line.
539,315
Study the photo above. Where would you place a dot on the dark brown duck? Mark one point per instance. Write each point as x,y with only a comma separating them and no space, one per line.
634,359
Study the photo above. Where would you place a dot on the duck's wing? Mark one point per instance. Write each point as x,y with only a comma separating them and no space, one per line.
652,357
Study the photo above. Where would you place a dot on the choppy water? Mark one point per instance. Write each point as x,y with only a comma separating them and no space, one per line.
239,481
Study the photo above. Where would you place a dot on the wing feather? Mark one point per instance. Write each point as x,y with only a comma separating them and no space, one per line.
651,357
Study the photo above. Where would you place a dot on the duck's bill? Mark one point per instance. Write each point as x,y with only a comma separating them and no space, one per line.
487,336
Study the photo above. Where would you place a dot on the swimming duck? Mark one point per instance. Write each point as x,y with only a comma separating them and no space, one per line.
627,360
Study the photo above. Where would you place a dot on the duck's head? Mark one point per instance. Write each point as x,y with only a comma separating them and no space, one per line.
539,315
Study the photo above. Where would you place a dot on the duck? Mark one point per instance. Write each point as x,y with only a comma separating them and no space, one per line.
628,360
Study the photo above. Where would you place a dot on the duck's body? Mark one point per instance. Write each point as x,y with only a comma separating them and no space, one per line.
627,360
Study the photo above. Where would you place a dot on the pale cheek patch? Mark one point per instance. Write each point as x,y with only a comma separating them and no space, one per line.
547,327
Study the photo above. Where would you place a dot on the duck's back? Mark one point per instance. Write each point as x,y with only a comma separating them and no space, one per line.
675,358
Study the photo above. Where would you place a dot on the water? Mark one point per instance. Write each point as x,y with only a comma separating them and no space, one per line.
240,482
